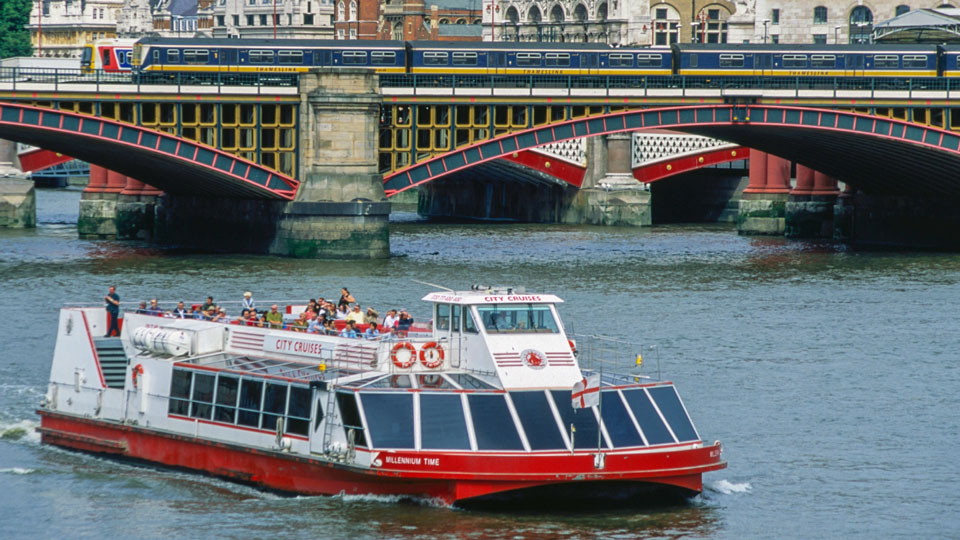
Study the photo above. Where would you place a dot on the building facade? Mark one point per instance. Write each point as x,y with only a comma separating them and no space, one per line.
444,20
287,19
60,28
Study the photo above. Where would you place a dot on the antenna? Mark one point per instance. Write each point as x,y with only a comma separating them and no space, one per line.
448,289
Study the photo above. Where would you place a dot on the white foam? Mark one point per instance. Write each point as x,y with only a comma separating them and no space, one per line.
17,470
24,431
394,499
728,488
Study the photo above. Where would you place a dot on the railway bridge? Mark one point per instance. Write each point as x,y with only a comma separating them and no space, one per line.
303,164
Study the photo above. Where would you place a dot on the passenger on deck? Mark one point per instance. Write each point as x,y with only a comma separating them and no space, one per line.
248,301
220,316
208,304
320,304
345,298
253,319
371,332
312,307
142,308
181,311
329,328
314,326
405,321
154,308
299,325
371,317
342,312
390,320
210,314
112,300
275,318
349,331
195,312
323,310
356,315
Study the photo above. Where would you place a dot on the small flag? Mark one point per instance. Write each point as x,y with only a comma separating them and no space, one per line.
639,360
586,392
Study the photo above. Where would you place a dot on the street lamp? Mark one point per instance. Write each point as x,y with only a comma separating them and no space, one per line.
765,23
836,35
693,31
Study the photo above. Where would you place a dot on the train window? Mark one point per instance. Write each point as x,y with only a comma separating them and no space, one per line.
105,57
322,58
464,58
693,60
557,59
729,60
621,60
260,57
886,61
173,56
435,58
914,61
383,58
823,61
196,56
354,58
290,57
649,60
528,59
794,60
156,57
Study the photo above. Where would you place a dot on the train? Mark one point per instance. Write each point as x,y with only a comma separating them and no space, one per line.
110,55
212,55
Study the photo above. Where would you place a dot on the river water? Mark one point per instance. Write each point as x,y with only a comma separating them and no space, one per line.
830,374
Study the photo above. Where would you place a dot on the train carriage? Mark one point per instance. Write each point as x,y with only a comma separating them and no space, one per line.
871,60
110,55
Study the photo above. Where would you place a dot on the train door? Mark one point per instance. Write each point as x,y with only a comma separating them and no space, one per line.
854,63
229,60
763,63
497,62
589,63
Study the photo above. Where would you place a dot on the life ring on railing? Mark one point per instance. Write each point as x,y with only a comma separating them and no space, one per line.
431,355
135,372
573,346
403,364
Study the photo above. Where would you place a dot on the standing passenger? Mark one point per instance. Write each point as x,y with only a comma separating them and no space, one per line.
248,301
113,311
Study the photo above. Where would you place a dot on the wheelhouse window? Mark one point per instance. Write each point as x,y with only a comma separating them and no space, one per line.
528,59
621,60
464,58
435,58
730,60
196,56
794,60
557,60
886,61
260,57
354,58
518,319
383,58
290,57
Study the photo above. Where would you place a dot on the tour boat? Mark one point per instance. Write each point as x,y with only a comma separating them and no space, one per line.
492,402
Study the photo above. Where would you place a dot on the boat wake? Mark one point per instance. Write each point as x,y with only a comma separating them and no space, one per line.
394,499
726,487
17,470
23,431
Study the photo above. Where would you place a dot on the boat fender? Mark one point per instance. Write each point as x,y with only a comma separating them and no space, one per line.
431,355
411,358
136,372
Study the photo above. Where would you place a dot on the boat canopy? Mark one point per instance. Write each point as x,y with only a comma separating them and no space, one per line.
491,296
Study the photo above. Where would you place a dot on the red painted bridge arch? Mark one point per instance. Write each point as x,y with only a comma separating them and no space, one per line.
878,154
167,162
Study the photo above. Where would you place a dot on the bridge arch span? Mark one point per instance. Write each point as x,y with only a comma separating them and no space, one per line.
170,163
877,154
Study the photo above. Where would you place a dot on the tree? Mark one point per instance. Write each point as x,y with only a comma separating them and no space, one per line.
14,36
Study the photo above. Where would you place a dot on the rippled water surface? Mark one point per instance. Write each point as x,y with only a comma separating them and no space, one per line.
830,374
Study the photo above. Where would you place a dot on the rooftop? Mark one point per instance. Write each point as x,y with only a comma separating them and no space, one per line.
939,25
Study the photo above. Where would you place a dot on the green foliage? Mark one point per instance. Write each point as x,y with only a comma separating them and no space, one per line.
14,37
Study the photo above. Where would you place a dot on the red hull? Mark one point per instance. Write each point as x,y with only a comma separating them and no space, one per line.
448,477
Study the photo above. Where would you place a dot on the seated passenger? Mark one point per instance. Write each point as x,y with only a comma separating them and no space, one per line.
371,332
154,308
342,312
314,326
372,316
275,318
405,321
349,331
329,328
390,320
142,308
298,325
356,315
181,311
195,312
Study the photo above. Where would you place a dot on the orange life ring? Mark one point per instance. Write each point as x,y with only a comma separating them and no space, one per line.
436,355
573,346
137,370
403,364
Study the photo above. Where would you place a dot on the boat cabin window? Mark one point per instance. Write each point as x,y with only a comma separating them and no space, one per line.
455,317
469,325
443,316
518,319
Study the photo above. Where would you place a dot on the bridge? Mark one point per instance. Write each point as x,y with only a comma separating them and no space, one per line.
437,131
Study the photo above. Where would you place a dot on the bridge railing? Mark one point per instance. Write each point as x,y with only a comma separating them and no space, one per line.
19,78
682,85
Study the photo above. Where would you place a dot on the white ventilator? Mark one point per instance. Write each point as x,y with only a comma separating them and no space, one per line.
165,341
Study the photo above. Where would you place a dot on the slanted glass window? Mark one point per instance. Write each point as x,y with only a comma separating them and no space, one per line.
794,60
350,414
649,60
537,420
731,60
464,58
442,426
492,423
251,394
390,419
886,61
528,59
557,59
651,425
469,382
354,58
173,56
202,395
298,411
431,58
290,57
823,61
180,392
670,405
260,57
443,316
226,409
196,56
621,60
617,420
469,325
583,420
518,319
914,61
274,404
383,58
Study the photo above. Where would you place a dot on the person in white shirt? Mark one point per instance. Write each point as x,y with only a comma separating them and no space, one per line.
247,301
356,315
390,321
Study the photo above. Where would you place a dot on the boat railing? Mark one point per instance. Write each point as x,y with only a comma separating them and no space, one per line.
617,357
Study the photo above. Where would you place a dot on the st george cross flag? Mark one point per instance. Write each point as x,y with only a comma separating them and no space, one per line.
586,392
